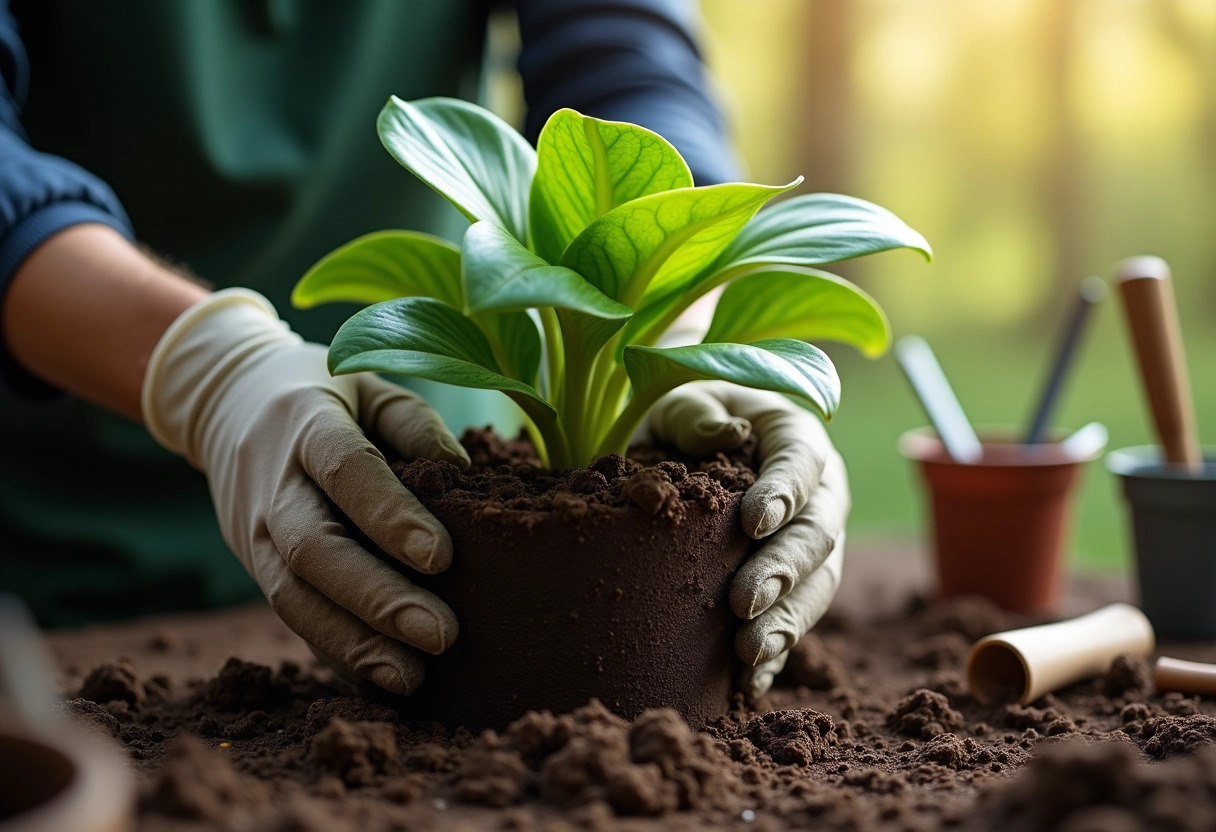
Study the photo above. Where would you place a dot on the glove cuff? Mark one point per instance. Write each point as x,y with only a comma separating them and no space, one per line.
195,357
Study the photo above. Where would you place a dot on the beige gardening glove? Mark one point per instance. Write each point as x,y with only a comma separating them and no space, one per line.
798,506
232,389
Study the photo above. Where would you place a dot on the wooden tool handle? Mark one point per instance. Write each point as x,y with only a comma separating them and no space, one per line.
1152,317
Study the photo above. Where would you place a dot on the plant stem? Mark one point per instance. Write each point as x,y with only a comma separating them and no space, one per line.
617,440
554,354
574,411
538,440
602,372
553,436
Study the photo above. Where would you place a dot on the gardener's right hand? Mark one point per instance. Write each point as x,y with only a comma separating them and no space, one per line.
248,402
798,507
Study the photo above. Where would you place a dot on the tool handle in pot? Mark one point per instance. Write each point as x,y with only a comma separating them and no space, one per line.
1152,316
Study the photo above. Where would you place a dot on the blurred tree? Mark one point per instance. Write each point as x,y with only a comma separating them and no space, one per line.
827,129
1062,181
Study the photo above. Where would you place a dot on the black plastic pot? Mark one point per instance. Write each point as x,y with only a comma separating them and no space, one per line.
1174,527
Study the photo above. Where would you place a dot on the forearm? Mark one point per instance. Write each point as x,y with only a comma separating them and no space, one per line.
85,310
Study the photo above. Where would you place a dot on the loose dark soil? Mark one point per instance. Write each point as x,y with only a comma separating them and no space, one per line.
868,728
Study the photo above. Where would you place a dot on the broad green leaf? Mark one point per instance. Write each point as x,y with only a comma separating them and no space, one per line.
500,274
469,155
806,304
808,230
586,167
814,229
664,238
425,338
783,365
382,266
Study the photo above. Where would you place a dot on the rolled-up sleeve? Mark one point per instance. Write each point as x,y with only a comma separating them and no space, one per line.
40,194
625,60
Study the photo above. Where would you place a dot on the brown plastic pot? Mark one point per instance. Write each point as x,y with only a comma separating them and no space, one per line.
618,605
999,525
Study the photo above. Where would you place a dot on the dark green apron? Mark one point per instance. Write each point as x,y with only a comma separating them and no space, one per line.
240,137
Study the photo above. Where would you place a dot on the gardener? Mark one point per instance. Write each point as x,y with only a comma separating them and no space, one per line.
236,135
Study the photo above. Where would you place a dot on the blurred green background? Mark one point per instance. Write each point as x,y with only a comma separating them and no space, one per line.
1033,142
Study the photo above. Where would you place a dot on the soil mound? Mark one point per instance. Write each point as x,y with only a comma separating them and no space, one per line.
924,713
507,480
1168,736
652,766
112,682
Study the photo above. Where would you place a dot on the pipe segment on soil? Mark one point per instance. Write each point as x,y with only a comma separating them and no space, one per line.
1025,664
1184,677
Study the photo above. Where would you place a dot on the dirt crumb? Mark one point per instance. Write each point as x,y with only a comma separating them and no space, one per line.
1168,736
357,752
93,715
245,685
792,737
112,682
1128,674
925,714
653,493
1047,721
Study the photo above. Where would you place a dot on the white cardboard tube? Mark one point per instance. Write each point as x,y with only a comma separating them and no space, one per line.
1184,677
1024,664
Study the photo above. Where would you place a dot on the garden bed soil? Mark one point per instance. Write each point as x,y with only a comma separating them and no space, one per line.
230,725
869,728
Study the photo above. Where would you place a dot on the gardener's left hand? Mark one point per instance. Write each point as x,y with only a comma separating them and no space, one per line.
798,505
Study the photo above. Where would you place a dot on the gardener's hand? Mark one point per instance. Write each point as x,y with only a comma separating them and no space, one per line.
799,505
246,401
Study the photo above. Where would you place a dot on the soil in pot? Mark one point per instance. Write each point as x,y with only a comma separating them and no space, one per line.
605,582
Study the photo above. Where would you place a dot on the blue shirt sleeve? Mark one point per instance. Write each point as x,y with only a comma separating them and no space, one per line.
625,60
40,194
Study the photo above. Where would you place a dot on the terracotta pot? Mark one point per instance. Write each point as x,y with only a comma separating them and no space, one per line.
68,782
999,525
618,605
1173,516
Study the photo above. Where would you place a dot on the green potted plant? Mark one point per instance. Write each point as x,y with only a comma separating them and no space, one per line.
580,255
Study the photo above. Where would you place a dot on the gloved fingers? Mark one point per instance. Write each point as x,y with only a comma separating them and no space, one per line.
793,447
779,629
407,423
697,422
756,681
348,468
317,548
337,634
797,549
